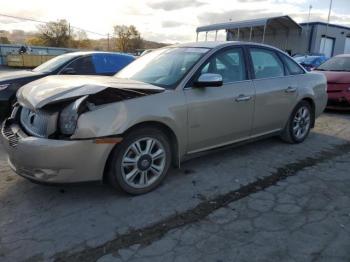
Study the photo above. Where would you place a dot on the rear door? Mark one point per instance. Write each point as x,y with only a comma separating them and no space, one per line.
221,115
276,92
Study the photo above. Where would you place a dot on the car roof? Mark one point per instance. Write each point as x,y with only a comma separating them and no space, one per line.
206,44
218,44
309,56
82,53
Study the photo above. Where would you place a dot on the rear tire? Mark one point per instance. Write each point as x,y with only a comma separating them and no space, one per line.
299,124
141,162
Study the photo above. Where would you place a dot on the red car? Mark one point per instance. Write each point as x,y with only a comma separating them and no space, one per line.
337,71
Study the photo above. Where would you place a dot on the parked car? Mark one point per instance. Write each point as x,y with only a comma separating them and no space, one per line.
77,63
310,62
337,71
147,51
160,109
307,54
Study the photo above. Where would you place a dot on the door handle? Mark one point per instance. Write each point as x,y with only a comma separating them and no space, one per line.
291,89
242,98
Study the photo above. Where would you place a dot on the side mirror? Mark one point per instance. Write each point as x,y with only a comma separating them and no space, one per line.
207,80
68,71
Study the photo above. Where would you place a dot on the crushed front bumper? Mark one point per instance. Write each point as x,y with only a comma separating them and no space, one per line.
53,161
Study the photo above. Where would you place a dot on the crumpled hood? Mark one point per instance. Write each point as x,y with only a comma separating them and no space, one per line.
53,89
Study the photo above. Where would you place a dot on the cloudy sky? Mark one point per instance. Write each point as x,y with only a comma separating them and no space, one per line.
164,20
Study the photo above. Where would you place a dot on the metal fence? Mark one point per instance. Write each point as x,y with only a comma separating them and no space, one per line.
39,50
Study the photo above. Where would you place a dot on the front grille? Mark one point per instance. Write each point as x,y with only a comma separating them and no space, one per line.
12,137
39,123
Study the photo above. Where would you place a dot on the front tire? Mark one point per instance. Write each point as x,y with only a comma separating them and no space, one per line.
141,162
299,124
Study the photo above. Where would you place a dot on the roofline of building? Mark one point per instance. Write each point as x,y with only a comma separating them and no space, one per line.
244,24
325,24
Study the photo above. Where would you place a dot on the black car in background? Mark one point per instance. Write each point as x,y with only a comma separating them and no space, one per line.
77,63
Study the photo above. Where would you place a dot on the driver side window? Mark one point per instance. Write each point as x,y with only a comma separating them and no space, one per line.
229,64
83,66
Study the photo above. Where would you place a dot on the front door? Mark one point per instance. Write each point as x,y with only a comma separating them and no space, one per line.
221,115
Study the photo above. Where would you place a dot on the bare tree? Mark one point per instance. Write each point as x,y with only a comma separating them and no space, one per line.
4,40
81,40
128,38
55,33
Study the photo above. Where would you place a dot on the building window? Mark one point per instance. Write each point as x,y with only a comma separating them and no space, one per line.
327,46
347,45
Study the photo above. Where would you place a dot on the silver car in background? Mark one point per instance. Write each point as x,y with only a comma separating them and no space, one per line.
162,108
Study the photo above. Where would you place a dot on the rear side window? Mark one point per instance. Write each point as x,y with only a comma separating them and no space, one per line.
266,63
110,63
229,64
83,66
292,66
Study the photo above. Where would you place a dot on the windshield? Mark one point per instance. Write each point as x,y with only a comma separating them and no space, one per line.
164,67
307,60
340,63
53,63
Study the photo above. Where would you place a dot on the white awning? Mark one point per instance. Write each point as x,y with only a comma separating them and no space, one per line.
273,23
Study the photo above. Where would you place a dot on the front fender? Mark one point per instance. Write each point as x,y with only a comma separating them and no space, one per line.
167,108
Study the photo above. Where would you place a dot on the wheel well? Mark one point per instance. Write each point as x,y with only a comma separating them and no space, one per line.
312,104
165,129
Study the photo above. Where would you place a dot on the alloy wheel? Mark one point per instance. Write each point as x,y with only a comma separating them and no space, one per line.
301,122
143,162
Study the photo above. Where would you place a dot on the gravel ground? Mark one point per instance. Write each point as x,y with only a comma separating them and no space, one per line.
265,201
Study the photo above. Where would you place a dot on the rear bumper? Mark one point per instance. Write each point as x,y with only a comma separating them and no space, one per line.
53,161
339,99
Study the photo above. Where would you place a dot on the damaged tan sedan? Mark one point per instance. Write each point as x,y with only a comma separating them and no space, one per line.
162,108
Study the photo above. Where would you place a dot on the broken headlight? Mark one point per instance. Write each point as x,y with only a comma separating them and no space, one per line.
69,117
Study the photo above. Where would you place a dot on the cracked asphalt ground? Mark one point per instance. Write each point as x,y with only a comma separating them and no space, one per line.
264,201
305,218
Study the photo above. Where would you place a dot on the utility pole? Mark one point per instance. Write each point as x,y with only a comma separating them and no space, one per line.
329,17
308,33
108,42
69,41
308,18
